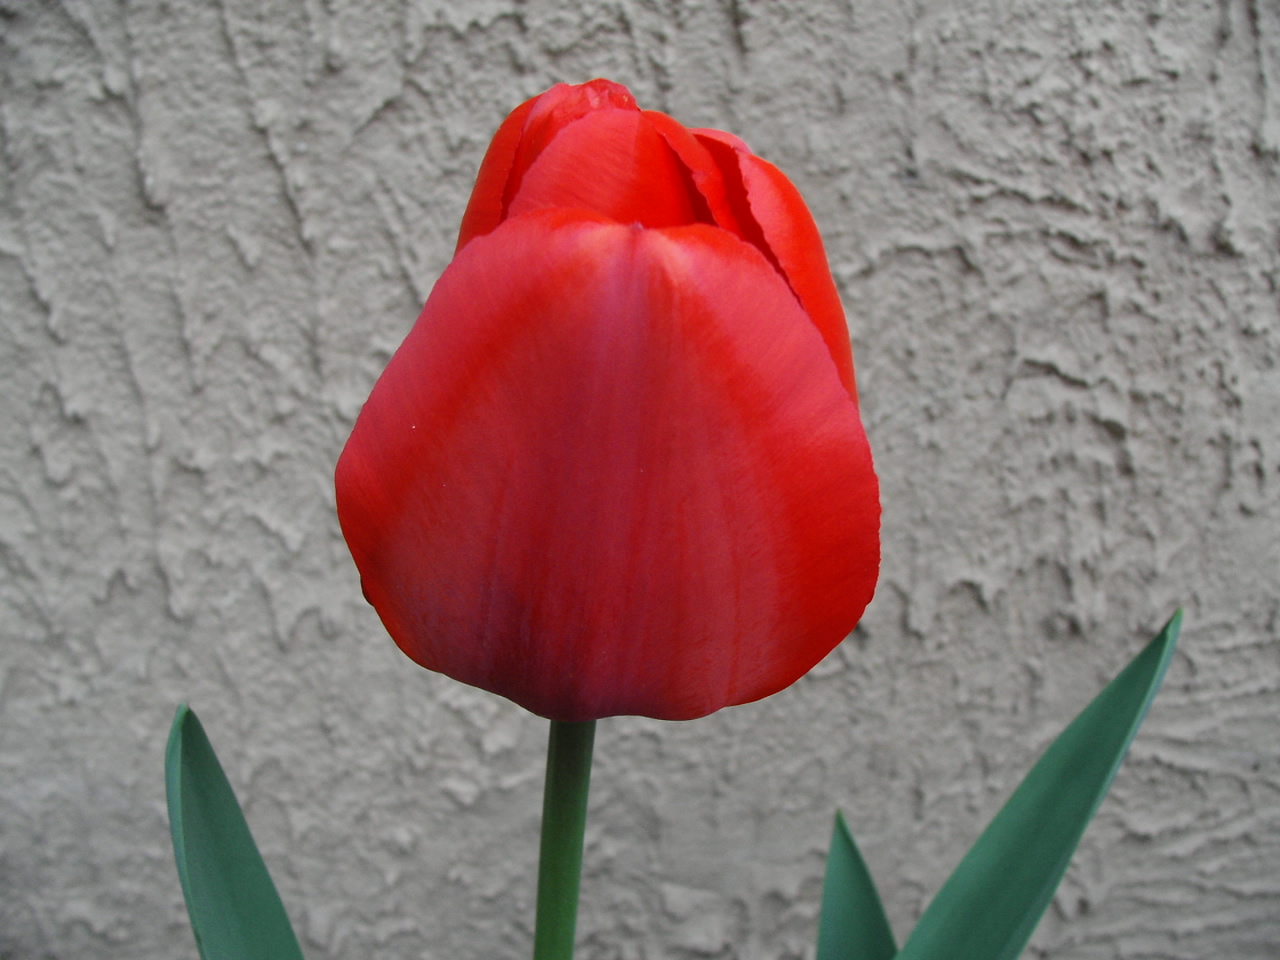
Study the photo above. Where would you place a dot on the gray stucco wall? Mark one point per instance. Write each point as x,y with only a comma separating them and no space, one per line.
1056,229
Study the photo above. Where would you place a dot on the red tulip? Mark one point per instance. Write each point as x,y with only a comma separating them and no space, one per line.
617,466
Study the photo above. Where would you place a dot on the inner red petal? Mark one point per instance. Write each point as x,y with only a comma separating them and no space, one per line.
612,162
556,109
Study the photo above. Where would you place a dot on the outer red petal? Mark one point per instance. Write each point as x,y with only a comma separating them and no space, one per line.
486,209
787,230
610,161
610,471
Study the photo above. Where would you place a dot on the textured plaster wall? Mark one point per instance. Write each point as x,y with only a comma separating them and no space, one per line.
1056,228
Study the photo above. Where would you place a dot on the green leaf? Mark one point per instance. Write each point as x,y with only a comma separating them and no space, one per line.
235,911
989,907
852,925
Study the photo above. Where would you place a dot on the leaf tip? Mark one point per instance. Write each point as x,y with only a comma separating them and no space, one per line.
1165,642
173,748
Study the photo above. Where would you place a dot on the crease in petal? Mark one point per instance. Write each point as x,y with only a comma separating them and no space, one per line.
776,219
793,236
706,179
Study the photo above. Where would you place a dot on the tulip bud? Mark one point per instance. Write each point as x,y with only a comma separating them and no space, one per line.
617,466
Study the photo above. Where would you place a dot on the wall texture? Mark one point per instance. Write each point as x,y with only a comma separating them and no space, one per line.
1056,228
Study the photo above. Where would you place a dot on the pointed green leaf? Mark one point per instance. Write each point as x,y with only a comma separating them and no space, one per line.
852,925
989,907
235,911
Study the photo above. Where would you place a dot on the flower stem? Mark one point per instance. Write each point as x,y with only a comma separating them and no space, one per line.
564,819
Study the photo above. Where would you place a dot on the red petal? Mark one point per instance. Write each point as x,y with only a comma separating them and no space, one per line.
485,209
612,471
704,174
560,106
777,219
521,138
612,162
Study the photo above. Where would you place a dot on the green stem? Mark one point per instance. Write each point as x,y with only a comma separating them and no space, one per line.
564,819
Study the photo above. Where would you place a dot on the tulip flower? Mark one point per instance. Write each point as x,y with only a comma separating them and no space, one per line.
617,467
